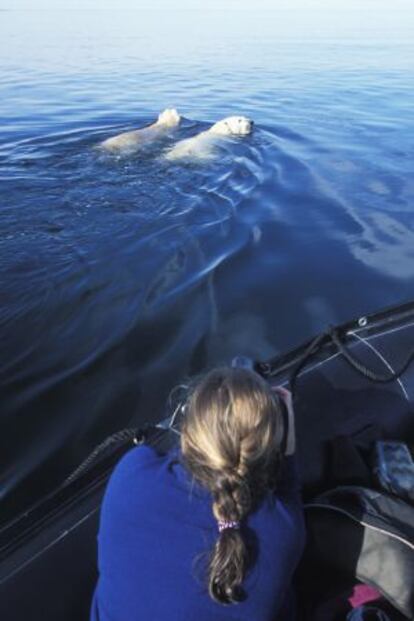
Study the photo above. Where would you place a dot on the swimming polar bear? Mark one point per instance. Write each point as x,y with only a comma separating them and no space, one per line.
202,146
133,140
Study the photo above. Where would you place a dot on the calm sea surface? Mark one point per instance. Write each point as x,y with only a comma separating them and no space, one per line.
120,276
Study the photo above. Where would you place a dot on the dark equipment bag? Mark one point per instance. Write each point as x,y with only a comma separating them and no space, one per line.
366,535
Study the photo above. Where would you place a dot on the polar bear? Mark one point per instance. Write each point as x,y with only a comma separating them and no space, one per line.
131,141
202,146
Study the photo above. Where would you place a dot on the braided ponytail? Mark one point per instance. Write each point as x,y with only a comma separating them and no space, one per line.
229,444
229,557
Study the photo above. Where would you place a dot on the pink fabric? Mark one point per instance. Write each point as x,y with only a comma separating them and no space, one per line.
363,594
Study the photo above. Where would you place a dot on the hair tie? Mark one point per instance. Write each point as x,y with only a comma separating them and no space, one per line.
223,524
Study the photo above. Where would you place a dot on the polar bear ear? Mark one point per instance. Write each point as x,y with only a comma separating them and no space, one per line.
175,116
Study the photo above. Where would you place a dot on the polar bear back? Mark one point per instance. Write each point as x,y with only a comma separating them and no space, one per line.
131,140
199,147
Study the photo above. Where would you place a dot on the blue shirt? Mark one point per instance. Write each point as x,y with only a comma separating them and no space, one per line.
155,522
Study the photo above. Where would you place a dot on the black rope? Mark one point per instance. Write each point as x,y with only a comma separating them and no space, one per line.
270,369
120,437
309,352
361,368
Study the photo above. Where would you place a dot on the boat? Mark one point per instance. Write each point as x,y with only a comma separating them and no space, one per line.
353,377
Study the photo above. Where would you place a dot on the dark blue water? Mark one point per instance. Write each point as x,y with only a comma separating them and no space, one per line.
120,276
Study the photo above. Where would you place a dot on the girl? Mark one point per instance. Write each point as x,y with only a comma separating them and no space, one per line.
214,530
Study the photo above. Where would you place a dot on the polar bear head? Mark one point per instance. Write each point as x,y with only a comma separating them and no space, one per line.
169,117
232,126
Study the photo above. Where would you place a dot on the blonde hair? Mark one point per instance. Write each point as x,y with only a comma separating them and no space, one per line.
230,443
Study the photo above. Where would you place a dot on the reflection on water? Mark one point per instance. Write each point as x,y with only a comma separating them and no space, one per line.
122,275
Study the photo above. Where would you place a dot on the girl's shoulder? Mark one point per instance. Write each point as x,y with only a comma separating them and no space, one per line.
137,477
139,463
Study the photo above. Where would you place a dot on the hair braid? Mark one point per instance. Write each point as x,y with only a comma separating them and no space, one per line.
228,443
232,500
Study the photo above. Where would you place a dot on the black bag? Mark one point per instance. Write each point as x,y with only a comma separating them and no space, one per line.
369,536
